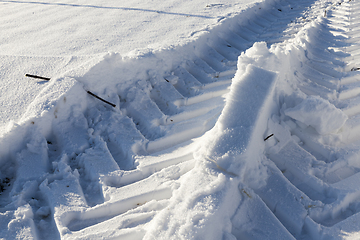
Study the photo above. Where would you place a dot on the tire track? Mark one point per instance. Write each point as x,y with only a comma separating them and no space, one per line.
124,184
176,109
320,168
211,69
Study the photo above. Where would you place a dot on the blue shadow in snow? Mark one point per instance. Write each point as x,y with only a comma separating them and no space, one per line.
113,8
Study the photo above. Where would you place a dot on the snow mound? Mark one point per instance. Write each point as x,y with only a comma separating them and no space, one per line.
318,113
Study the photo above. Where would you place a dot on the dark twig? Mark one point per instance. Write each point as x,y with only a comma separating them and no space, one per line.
92,94
268,137
34,76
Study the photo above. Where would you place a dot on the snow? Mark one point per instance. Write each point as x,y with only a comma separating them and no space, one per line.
228,120
234,136
39,38
318,113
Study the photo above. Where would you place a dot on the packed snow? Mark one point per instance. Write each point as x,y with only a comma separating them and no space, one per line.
318,113
179,120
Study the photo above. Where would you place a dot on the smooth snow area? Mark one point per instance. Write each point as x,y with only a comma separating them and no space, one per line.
73,28
180,120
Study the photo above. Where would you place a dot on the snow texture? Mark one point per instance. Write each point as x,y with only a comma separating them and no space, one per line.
318,113
206,120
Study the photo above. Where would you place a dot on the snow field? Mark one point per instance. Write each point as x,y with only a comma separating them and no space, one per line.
182,155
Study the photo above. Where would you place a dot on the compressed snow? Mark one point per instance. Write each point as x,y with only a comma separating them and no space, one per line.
236,139
318,113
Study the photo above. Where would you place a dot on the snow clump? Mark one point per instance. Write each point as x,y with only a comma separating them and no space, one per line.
318,113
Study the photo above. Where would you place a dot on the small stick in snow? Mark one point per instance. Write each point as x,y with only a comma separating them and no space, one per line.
92,94
268,137
34,76
247,194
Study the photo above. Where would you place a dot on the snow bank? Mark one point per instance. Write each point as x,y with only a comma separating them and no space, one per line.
17,92
235,143
56,100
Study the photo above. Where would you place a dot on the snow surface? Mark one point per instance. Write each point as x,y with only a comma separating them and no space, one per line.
54,39
229,120
318,113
